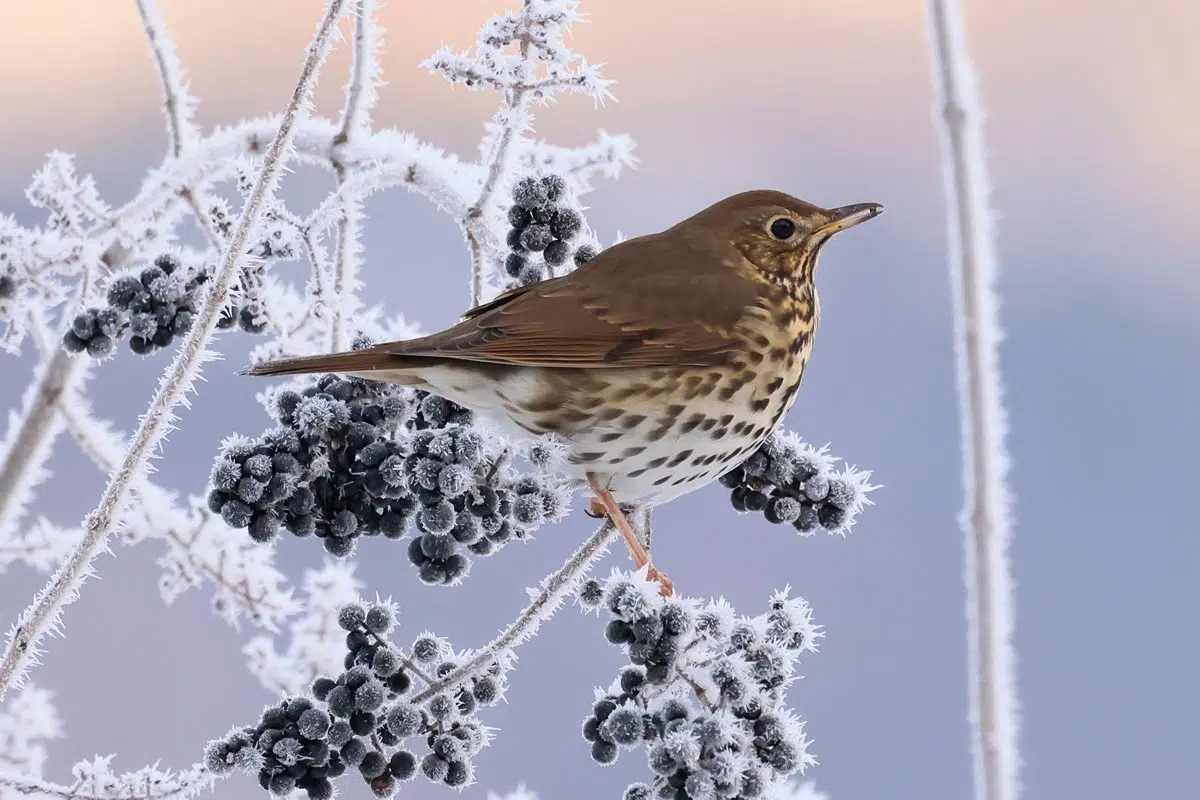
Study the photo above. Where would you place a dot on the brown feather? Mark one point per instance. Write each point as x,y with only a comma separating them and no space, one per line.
356,361
670,299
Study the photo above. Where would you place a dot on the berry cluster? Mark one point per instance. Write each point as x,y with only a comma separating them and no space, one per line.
365,718
310,474
543,221
794,483
248,317
354,458
713,723
154,307
278,241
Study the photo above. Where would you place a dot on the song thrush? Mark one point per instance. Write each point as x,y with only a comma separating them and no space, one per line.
663,362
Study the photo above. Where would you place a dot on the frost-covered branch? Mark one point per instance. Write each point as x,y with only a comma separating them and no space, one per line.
34,431
177,103
985,518
356,116
523,56
31,435
95,780
45,613
543,603
178,106
199,546
27,721
316,646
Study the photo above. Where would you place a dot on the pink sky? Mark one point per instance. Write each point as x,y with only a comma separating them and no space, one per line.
1093,112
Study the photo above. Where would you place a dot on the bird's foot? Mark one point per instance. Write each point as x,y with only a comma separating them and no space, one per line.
595,509
604,505
666,586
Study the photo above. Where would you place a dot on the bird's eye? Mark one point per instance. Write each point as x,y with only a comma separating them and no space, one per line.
782,228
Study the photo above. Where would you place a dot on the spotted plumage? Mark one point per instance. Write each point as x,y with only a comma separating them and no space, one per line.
662,362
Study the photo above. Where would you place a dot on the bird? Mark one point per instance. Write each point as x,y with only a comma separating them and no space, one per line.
662,363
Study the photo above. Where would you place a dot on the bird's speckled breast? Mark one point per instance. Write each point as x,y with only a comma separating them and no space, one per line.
652,434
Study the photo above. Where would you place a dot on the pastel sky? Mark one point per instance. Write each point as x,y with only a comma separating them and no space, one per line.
1093,122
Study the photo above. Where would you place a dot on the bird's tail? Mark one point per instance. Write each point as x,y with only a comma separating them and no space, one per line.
355,361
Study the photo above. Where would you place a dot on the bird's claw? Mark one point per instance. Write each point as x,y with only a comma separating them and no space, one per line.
666,587
595,509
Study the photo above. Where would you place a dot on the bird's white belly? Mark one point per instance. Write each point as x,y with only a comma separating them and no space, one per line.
639,463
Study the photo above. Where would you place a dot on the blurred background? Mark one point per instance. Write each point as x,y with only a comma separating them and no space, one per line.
1092,126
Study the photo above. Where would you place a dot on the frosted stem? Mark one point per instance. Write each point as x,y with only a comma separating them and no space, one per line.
478,237
985,516
176,102
178,106
360,94
148,784
35,431
554,588
45,612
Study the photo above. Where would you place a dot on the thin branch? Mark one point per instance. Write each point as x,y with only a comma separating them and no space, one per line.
364,73
32,434
554,588
479,238
177,104
37,427
360,97
46,611
985,518
98,783
185,534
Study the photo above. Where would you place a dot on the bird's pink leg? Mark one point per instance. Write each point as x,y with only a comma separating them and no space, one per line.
640,557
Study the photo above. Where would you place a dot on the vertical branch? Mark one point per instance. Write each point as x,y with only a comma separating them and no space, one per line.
985,518
177,104
515,102
31,436
360,99
33,432
45,613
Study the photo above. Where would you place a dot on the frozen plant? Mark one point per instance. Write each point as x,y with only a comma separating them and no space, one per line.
704,691
341,458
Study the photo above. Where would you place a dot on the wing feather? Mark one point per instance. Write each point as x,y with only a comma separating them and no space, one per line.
652,301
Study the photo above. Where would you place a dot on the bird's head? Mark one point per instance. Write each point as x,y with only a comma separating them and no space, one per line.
780,235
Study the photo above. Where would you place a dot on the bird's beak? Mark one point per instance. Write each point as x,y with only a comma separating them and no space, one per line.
848,217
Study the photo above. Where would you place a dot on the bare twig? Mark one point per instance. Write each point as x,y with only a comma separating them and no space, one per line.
554,588
985,517
46,611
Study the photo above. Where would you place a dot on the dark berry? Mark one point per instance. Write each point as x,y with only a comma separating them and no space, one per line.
584,254
604,752
530,194
373,765
403,765
556,253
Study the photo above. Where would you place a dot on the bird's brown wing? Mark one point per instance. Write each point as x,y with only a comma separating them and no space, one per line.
652,301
